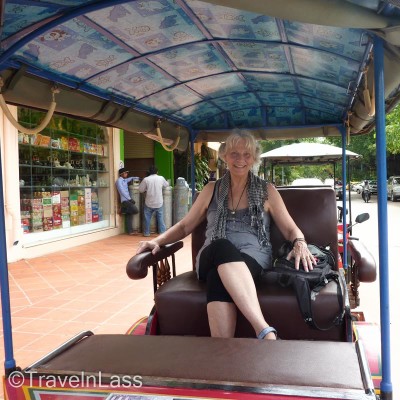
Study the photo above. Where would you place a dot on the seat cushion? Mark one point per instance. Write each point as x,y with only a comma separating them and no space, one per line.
182,310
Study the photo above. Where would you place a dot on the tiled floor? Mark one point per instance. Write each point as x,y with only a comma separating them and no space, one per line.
83,288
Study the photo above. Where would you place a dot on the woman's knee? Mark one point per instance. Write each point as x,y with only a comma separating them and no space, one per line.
215,288
220,251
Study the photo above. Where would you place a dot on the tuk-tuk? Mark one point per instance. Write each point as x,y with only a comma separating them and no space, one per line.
187,71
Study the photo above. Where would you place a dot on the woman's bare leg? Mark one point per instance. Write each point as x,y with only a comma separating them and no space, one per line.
222,319
239,283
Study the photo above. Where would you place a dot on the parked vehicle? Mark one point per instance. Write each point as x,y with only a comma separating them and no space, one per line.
393,188
358,187
338,188
307,182
339,191
373,187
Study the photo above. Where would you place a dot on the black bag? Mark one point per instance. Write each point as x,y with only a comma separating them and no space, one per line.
308,284
129,207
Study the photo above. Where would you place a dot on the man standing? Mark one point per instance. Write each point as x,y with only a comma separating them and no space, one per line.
153,185
127,203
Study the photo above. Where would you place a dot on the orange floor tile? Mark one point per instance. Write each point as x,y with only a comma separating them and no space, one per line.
84,288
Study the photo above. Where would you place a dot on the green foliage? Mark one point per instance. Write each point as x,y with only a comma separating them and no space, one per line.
393,131
362,168
286,174
202,171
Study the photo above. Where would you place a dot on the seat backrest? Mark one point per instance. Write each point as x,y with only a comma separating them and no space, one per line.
312,208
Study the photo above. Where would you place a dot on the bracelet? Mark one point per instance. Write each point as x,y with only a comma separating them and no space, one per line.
298,240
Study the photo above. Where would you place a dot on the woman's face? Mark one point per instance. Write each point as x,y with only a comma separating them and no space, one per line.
239,159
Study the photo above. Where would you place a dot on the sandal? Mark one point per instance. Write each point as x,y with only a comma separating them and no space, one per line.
265,332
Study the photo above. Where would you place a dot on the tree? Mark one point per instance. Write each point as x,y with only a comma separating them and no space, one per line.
364,167
393,131
286,174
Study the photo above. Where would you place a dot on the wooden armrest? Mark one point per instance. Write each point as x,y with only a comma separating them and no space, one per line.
138,265
363,261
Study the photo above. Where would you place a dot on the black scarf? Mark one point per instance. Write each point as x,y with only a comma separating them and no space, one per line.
257,194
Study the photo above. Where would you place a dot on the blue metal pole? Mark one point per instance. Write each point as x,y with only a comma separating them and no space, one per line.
9,363
386,383
344,198
193,177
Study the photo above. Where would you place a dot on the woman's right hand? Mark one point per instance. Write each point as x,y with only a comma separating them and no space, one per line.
151,245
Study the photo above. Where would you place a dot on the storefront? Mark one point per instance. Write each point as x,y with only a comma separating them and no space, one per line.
58,184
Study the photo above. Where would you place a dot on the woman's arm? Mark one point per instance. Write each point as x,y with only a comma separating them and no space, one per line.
289,229
183,228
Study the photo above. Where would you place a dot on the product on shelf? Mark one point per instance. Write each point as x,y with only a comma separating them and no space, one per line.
59,167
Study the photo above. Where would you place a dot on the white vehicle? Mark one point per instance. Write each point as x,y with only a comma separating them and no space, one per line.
358,187
307,182
393,188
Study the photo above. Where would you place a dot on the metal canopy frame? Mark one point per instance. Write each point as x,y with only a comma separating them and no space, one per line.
287,70
205,66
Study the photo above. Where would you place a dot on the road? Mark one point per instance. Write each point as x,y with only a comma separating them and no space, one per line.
367,232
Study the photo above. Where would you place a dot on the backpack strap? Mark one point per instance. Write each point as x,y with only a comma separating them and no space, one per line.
303,295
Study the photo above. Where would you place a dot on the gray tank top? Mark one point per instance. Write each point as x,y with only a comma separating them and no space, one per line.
240,232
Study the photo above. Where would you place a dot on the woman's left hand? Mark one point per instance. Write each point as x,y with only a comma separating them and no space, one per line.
301,253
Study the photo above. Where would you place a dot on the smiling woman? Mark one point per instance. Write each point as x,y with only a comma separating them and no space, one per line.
238,209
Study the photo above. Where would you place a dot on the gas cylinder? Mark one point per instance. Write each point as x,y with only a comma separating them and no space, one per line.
180,201
135,195
167,196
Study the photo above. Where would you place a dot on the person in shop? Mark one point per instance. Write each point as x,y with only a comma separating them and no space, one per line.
128,207
153,185
238,209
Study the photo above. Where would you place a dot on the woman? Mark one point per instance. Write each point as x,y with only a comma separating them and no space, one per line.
237,249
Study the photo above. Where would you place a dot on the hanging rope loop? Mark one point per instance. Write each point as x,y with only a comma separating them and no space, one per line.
165,147
369,100
54,90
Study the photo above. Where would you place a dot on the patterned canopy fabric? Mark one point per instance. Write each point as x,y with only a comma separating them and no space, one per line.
206,66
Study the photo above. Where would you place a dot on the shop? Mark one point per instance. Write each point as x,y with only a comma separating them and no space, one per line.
58,184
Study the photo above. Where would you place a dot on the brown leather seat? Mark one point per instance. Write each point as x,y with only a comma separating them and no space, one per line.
181,302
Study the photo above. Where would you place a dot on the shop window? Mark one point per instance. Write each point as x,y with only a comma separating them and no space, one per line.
64,175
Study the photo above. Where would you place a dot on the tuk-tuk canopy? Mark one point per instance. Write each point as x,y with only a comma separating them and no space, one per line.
284,69
307,153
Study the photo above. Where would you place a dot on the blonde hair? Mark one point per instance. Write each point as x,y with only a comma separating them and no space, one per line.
249,143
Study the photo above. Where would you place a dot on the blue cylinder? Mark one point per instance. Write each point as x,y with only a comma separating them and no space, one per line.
180,201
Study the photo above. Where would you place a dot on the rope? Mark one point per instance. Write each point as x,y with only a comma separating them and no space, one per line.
349,113
165,147
18,126
369,101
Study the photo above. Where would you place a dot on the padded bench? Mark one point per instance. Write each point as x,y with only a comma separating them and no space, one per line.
249,365
180,302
